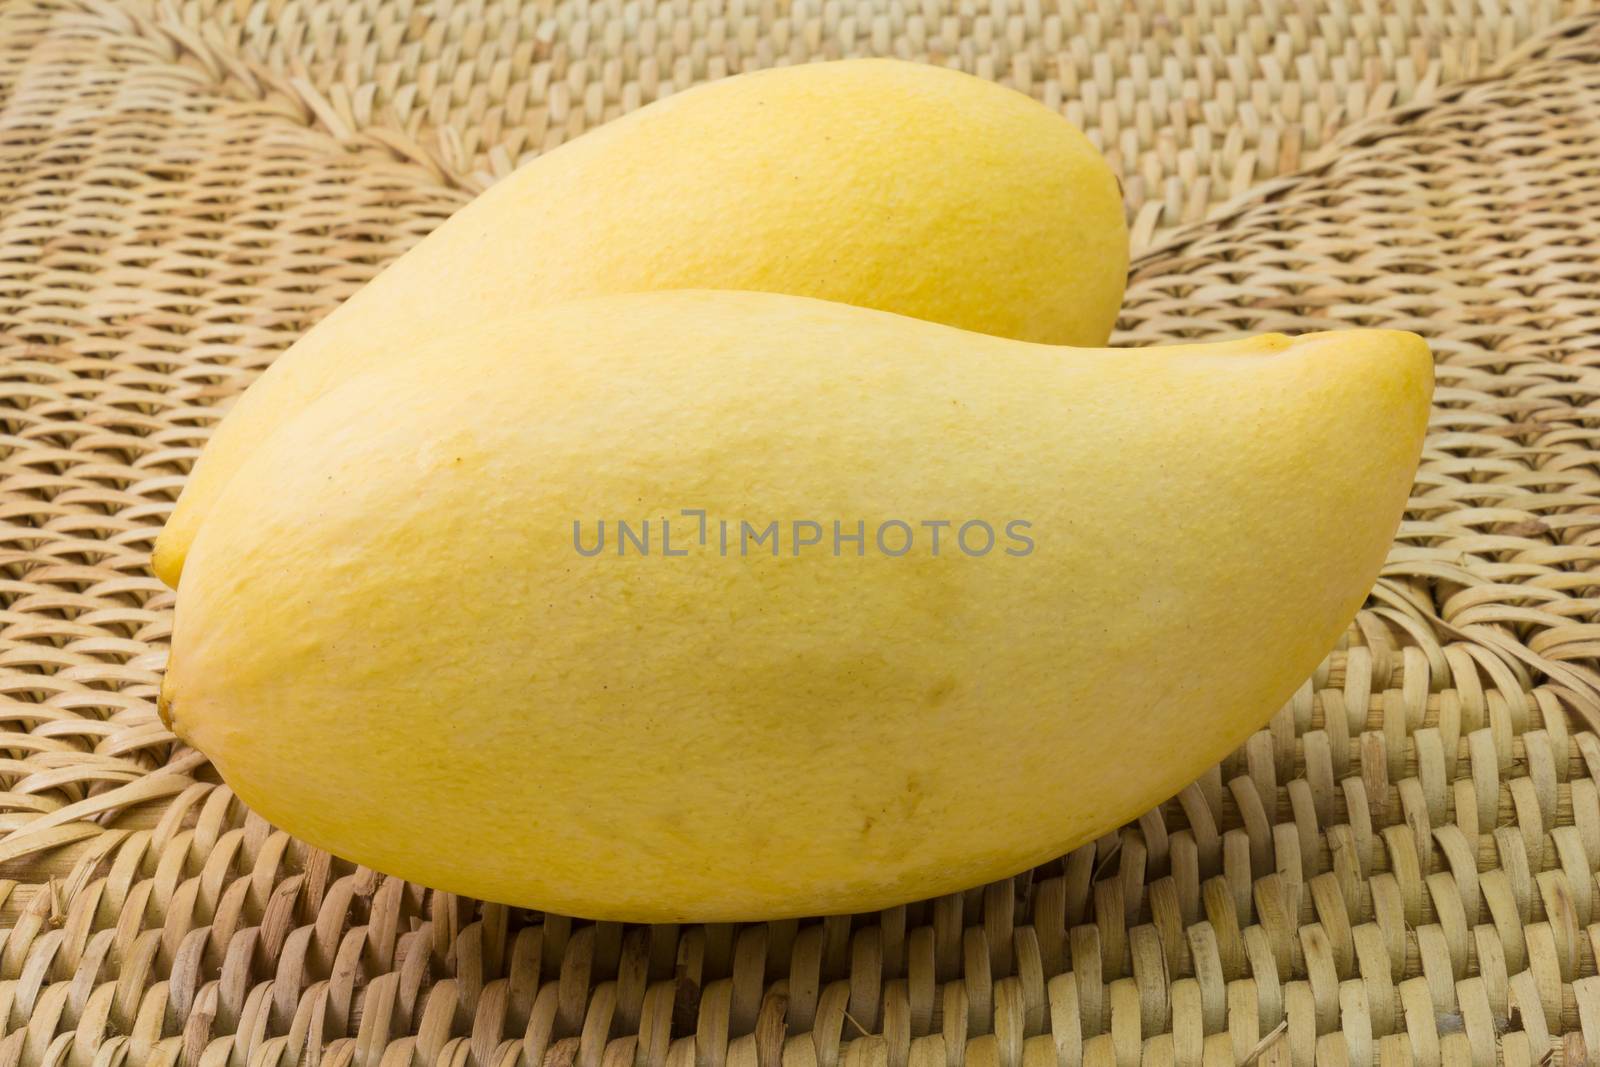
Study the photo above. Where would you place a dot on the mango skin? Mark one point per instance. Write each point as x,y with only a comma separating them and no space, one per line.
913,189
388,645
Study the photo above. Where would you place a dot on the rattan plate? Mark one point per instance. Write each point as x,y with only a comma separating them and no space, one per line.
1400,868
1191,102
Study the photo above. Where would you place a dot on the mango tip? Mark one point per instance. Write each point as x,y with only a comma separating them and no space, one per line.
166,562
164,701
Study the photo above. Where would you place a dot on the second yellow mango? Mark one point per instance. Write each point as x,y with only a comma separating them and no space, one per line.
890,185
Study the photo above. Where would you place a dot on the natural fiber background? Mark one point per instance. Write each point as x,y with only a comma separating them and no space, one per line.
1400,869
1191,100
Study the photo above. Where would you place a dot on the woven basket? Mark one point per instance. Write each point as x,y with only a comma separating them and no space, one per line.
1192,102
1399,869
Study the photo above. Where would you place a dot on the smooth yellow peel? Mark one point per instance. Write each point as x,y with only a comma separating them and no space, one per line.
894,185
390,647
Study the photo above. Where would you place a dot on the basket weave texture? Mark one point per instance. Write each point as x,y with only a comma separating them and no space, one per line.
1401,868
1192,101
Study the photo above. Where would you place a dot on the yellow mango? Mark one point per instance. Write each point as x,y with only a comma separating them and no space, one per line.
913,189
394,638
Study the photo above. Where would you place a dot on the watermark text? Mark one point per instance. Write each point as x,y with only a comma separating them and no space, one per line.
694,532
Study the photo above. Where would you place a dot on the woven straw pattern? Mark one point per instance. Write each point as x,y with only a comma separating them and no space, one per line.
1191,102
1400,868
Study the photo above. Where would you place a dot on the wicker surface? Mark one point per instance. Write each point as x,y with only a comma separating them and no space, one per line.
1192,102
1400,869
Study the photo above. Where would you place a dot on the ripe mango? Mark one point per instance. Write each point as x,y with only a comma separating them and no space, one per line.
395,639
913,189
